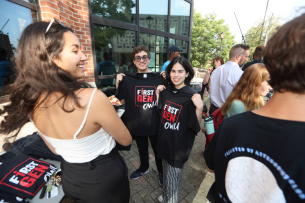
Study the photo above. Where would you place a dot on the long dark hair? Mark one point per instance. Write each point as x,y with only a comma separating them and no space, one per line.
187,67
37,74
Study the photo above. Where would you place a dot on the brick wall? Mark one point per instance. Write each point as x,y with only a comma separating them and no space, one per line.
75,14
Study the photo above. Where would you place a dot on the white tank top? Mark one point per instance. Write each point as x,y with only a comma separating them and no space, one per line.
85,149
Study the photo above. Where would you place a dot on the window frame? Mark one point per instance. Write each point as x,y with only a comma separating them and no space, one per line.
139,29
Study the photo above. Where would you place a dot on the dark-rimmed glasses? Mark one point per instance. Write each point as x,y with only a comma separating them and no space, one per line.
138,58
51,22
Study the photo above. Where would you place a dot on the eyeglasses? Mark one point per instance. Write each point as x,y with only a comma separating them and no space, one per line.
51,22
138,58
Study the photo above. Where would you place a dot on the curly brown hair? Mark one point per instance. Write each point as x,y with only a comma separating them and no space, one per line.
140,48
284,57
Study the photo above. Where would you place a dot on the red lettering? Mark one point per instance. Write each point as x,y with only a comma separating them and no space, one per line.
41,168
172,118
166,115
144,98
149,98
35,174
27,181
139,98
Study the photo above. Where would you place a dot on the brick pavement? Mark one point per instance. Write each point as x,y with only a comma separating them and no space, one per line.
195,183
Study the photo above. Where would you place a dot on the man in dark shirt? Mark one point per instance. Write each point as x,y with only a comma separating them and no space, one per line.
106,67
259,156
257,57
138,92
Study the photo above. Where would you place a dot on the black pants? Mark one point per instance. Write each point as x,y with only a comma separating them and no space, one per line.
212,108
103,179
142,143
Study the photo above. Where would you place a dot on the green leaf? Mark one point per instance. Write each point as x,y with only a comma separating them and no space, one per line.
49,188
206,42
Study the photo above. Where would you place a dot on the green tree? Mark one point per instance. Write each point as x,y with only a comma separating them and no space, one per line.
253,34
206,39
120,10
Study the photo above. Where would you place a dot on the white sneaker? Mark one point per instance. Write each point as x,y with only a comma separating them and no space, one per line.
160,198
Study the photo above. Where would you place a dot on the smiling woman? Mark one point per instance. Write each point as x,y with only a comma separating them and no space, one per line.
72,59
74,120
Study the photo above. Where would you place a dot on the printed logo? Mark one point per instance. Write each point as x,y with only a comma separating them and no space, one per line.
145,96
24,176
170,115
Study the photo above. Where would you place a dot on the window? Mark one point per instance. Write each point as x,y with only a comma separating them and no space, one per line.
31,1
157,47
13,19
120,10
180,17
113,50
153,14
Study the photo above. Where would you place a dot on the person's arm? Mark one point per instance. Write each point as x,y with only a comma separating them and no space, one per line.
207,76
211,171
196,98
160,88
119,78
105,115
163,73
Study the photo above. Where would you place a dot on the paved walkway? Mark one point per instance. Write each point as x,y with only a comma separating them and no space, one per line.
195,183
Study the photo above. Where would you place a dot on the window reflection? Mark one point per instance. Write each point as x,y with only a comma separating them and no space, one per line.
157,47
113,48
120,10
180,17
182,44
153,14
13,19
31,1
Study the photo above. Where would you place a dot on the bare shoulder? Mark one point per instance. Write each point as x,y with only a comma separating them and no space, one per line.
85,94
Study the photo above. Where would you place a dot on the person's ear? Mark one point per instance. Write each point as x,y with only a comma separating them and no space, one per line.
57,62
238,57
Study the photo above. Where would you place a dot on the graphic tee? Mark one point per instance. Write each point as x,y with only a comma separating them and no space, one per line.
22,175
139,92
178,125
257,159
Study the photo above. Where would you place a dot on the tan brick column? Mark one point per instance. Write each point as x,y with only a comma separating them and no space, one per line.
75,14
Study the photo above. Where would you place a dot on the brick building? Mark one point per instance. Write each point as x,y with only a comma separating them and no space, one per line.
107,30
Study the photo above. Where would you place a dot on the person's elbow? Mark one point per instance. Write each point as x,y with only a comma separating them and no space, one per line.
126,141
211,171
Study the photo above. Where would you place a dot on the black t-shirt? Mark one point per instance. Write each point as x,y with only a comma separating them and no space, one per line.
22,175
139,92
258,159
251,63
178,125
